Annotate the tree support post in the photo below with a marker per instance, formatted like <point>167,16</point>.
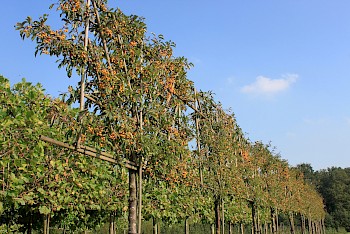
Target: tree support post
<point>217,215</point>
<point>223,215</point>
<point>132,202</point>
<point>139,228</point>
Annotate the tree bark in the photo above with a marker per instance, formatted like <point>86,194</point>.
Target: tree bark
<point>217,216</point>
<point>155,226</point>
<point>46,224</point>
<point>223,216</point>
<point>303,228</point>
<point>140,198</point>
<point>30,223</point>
<point>187,226</point>
<point>317,226</point>
<point>230,228</point>
<point>277,221</point>
<point>323,226</point>
<point>282,227</point>
<point>132,202</point>
<point>258,223</point>
<point>310,226</point>
<point>291,222</point>
<point>242,228</point>
<point>273,220</point>
<point>112,223</point>
<point>254,219</point>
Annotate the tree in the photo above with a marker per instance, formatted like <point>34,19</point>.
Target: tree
<point>308,172</point>
<point>40,179</point>
<point>133,83</point>
<point>334,186</point>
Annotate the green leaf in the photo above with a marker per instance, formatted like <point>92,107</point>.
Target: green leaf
<point>41,190</point>
<point>44,210</point>
<point>1,208</point>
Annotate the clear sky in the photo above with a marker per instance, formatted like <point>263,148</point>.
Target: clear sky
<point>283,66</point>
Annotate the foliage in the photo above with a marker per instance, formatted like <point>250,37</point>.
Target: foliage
<point>138,105</point>
<point>40,179</point>
<point>334,185</point>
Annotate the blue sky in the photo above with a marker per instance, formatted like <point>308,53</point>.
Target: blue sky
<point>283,66</point>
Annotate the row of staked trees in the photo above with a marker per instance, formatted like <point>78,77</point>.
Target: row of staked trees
<point>143,144</point>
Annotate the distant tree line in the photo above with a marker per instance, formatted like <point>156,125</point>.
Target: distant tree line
<point>334,185</point>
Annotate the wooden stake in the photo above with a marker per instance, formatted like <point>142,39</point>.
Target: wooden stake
<point>140,198</point>
<point>91,152</point>
<point>223,215</point>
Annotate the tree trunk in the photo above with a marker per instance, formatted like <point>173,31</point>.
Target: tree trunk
<point>323,226</point>
<point>46,224</point>
<point>230,228</point>
<point>309,225</point>
<point>273,220</point>
<point>317,226</point>
<point>223,216</point>
<point>254,219</point>
<point>132,202</point>
<point>29,230</point>
<point>140,198</point>
<point>155,226</point>
<point>112,223</point>
<point>217,216</point>
<point>187,226</point>
<point>30,222</point>
<point>282,227</point>
<point>277,221</point>
<point>242,228</point>
<point>302,222</point>
<point>291,222</point>
<point>258,223</point>
<point>213,229</point>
